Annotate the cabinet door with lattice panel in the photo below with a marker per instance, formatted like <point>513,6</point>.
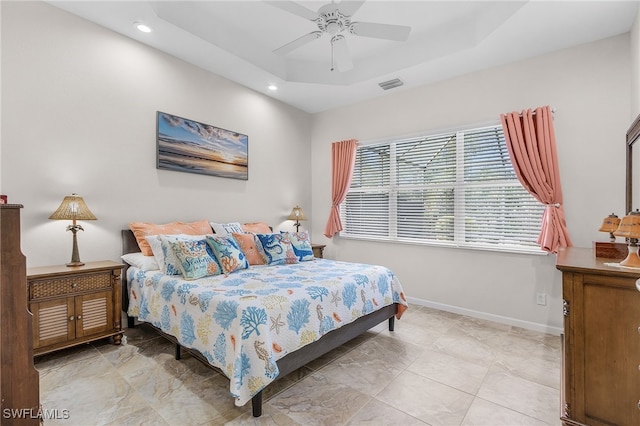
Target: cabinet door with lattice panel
<point>94,313</point>
<point>54,321</point>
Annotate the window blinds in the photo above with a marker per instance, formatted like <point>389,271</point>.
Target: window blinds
<point>456,188</point>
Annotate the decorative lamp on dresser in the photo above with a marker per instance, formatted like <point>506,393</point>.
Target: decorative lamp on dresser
<point>74,305</point>
<point>601,344</point>
<point>20,381</point>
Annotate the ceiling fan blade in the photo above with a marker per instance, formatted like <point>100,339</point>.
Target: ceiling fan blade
<point>300,41</point>
<point>341,55</point>
<point>348,7</point>
<point>295,8</point>
<point>384,31</point>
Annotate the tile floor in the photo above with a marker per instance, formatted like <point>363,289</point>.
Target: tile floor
<point>437,368</point>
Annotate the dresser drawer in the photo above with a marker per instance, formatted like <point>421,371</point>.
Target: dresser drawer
<point>59,286</point>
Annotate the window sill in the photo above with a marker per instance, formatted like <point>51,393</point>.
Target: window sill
<point>501,249</point>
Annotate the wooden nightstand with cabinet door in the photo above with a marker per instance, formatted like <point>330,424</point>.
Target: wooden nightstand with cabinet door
<point>74,305</point>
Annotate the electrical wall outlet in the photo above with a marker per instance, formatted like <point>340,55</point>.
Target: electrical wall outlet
<point>541,299</point>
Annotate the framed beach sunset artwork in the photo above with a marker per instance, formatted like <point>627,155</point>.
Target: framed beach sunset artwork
<point>185,145</point>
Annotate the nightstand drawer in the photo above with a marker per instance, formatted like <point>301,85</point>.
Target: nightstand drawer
<point>49,287</point>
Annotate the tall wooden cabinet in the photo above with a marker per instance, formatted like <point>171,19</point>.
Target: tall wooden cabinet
<point>601,342</point>
<point>20,381</point>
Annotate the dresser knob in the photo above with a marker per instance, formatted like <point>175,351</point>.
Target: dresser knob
<point>638,405</point>
<point>71,318</point>
<point>79,317</point>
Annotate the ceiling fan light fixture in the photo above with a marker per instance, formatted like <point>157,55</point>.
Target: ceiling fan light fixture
<point>390,84</point>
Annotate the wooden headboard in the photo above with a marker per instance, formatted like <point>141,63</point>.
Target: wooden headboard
<point>129,243</point>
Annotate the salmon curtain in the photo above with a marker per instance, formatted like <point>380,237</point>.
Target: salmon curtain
<point>531,143</point>
<point>343,157</point>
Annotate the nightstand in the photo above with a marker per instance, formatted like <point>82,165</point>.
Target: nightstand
<point>74,305</point>
<point>318,250</point>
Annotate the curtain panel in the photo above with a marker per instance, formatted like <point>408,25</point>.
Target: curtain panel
<point>343,157</point>
<point>531,143</point>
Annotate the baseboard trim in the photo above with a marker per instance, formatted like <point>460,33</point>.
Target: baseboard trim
<point>542,328</point>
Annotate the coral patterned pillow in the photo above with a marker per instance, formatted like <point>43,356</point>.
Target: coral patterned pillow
<point>142,229</point>
<point>301,245</point>
<point>228,253</point>
<point>250,247</point>
<point>195,258</point>
<point>277,248</point>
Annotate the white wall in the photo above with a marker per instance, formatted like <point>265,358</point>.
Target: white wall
<point>635,67</point>
<point>78,115</point>
<point>587,85</point>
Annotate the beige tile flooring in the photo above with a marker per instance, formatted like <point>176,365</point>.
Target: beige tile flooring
<point>437,368</point>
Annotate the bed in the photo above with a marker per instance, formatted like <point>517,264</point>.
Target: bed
<point>264,322</point>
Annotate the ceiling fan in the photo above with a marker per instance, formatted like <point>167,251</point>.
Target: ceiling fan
<point>334,19</point>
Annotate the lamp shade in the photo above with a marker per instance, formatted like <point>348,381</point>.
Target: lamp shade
<point>610,223</point>
<point>629,226</point>
<point>297,214</point>
<point>73,207</point>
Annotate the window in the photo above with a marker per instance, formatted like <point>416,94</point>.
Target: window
<point>456,188</point>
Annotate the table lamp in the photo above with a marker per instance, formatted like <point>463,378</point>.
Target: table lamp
<point>630,228</point>
<point>73,208</point>
<point>610,224</point>
<point>297,214</point>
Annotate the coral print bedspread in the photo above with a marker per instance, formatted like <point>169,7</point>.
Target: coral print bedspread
<point>244,322</point>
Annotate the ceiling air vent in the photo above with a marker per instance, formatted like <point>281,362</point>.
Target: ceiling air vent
<point>386,85</point>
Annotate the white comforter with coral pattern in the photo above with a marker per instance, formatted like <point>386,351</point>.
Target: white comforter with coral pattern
<point>244,322</point>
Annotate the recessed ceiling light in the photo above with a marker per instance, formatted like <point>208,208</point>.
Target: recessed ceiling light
<point>272,87</point>
<point>142,27</point>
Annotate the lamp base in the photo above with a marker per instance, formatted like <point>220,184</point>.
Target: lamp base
<point>78,263</point>
<point>632,260</point>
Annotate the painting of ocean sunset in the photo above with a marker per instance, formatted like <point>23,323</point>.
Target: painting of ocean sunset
<point>185,145</point>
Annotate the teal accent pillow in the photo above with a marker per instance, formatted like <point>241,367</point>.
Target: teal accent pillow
<point>301,245</point>
<point>194,256</point>
<point>278,249</point>
<point>228,253</point>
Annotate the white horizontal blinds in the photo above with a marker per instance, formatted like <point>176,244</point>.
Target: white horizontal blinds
<point>497,209</point>
<point>458,188</point>
<point>425,175</point>
<point>366,209</point>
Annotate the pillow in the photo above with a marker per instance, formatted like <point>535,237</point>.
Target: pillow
<point>227,251</point>
<point>301,245</point>
<point>164,255</point>
<point>256,228</point>
<point>251,247</point>
<point>142,229</point>
<point>140,261</point>
<point>223,229</point>
<point>195,258</point>
<point>278,249</point>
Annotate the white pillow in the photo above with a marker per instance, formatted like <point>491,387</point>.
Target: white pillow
<point>140,261</point>
<point>222,229</point>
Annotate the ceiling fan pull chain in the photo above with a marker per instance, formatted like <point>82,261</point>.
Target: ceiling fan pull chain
<point>332,54</point>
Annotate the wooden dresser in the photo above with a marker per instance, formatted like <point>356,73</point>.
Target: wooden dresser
<point>73,305</point>
<point>20,390</point>
<point>601,342</point>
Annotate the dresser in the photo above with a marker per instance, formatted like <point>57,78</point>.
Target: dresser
<point>73,305</point>
<point>601,341</point>
<point>20,381</point>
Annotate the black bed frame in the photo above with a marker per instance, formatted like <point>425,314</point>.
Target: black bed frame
<point>290,362</point>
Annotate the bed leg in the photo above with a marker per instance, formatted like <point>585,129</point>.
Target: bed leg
<point>256,404</point>
<point>178,354</point>
<point>392,323</point>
